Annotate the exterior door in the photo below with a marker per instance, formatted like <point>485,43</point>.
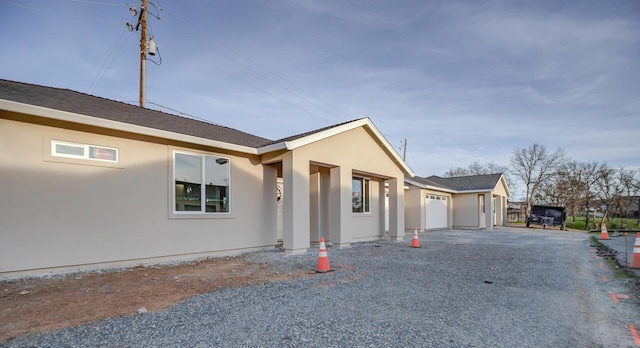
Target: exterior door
<point>493,207</point>
<point>481,212</point>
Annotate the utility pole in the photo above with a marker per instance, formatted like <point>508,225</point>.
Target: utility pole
<point>146,46</point>
<point>404,156</point>
<point>143,52</point>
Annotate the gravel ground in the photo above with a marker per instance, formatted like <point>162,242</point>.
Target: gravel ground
<point>500,288</point>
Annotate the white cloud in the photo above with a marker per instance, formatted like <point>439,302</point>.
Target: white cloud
<point>462,81</point>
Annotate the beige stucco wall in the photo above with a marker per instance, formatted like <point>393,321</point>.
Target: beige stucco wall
<point>500,193</point>
<point>465,210</point>
<point>500,211</point>
<point>354,152</point>
<point>500,189</point>
<point>415,207</point>
<point>58,215</point>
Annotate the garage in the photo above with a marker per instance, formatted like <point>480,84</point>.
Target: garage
<point>436,212</point>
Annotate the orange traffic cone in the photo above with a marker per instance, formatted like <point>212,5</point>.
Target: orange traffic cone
<point>603,231</point>
<point>323,258</point>
<point>415,243</point>
<point>635,257</point>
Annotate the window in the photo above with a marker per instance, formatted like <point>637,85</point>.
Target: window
<point>190,171</point>
<point>84,151</point>
<point>481,202</point>
<point>360,200</point>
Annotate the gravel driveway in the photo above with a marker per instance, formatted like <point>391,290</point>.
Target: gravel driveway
<point>494,288</point>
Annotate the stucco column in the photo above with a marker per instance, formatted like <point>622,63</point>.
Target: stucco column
<point>381,206</point>
<point>314,205</point>
<point>498,208</point>
<point>396,209</point>
<point>269,204</point>
<point>319,188</point>
<point>340,207</point>
<point>504,210</point>
<point>296,220</point>
<point>324,214</point>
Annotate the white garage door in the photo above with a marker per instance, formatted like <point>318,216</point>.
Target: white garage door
<point>436,214</point>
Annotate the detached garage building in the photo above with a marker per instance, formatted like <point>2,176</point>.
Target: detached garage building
<point>477,201</point>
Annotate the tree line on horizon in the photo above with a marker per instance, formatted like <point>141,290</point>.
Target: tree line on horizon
<point>552,178</point>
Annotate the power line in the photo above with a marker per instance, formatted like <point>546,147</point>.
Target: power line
<point>110,59</point>
<point>183,113</point>
<point>302,95</point>
<point>253,70</point>
<point>100,3</point>
<point>251,84</point>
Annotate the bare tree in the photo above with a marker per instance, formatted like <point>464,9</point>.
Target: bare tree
<point>636,188</point>
<point>534,166</point>
<point>569,177</point>
<point>588,175</point>
<point>609,189</point>
<point>477,168</point>
<point>554,191</point>
<point>454,172</point>
<point>576,182</point>
<point>626,192</point>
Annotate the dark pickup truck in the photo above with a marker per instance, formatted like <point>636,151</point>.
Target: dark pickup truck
<point>547,216</point>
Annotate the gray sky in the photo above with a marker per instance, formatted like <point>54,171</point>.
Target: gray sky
<point>462,81</point>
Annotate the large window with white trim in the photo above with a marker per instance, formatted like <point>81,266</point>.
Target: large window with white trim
<point>361,195</point>
<point>201,183</point>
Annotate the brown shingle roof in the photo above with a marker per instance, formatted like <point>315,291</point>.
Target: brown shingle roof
<point>302,135</point>
<point>426,181</point>
<point>467,183</point>
<point>84,104</point>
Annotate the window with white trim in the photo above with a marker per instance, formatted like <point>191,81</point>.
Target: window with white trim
<point>84,151</point>
<point>192,172</point>
<point>361,195</point>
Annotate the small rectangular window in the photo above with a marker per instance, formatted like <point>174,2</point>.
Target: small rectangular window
<point>83,151</point>
<point>361,192</point>
<point>69,150</point>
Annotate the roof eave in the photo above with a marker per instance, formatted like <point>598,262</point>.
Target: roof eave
<point>476,191</point>
<point>309,139</point>
<point>273,147</point>
<point>428,187</point>
<point>59,115</point>
<point>503,179</point>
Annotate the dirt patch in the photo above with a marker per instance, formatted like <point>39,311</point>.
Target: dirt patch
<point>44,304</point>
